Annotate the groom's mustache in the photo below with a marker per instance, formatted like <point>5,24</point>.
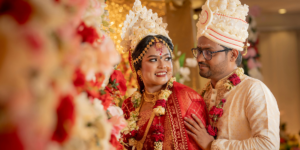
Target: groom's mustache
<point>202,63</point>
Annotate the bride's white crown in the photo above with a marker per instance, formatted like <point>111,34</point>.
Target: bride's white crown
<point>138,24</point>
<point>224,22</point>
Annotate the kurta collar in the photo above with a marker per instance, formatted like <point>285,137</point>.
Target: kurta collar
<point>221,82</point>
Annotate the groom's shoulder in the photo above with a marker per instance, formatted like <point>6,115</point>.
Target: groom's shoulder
<point>251,84</point>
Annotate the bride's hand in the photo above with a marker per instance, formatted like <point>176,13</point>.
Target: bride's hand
<point>198,132</point>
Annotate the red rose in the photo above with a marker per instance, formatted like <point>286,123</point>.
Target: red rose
<point>211,131</point>
<point>216,111</point>
<point>119,81</point>
<point>223,101</point>
<point>20,10</point>
<point>282,140</point>
<point>133,133</point>
<point>79,79</point>
<point>161,103</point>
<point>114,142</point>
<point>98,82</point>
<point>234,79</point>
<point>65,119</point>
<point>157,137</point>
<point>88,34</point>
<point>106,100</point>
<point>9,139</point>
<point>157,129</point>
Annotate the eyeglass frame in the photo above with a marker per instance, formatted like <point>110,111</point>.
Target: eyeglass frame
<point>224,50</point>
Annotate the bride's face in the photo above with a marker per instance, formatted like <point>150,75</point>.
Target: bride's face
<point>157,66</point>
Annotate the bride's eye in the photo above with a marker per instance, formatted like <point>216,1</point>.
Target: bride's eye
<point>168,58</point>
<point>153,60</point>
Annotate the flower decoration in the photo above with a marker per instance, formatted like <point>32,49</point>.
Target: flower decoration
<point>129,133</point>
<point>217,111</point>
<point>88,34</point>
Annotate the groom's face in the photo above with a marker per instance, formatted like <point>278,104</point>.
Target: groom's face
<point>218,63</point>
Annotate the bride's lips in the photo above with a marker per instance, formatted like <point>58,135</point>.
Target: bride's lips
<point>161,74</point>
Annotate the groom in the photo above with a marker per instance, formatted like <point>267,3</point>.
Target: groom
<point>243,113</point>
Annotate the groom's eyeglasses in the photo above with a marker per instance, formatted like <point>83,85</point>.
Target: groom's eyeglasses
<point>206,53</point>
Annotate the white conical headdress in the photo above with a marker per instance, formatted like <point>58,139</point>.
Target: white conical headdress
<point>224,22</point>
<point>138,24</point>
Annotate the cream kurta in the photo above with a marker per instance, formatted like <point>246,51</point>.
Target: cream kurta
<point>251,116</point>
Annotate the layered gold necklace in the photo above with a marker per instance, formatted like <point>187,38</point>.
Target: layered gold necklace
<point>151,97</point>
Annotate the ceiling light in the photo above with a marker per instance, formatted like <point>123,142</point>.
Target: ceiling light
<point>282,11</point>
<point>195,16</point>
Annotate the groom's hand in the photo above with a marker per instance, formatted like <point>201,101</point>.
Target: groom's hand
<point>198,132</point>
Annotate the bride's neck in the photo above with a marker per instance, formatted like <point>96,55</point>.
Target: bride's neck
<point>153,89</point>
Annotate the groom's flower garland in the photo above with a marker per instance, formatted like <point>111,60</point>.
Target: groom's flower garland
<point>130,133</point>
<point>217,111</point>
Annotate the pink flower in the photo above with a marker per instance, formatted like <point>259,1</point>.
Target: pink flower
<point>118,124</point>
<point>234,79</point>
<point>251,63</point>
<point>211,131</point>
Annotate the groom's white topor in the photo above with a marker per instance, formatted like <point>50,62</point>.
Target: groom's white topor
<point>224,22</point>
<point>138,24</point>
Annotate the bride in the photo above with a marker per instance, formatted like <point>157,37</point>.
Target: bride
<point>155,112</point>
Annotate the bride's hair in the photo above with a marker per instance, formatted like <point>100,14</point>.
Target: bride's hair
<point>143,44</point>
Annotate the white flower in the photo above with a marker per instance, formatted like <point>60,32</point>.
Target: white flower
<point>154,16</point>
<point>164,25</point>
<point>185,72</point>
<point>159,111</point>
<point>158,20</point>
<point>149,25</point>
<point>222,5</point>
<point>191,62</point>
<point>115,111</point>
<point>137,8</point>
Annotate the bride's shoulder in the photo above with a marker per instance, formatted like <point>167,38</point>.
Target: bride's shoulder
<point>178,87</point>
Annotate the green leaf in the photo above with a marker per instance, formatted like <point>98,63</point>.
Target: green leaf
<point>102,92</point>
<point>177,76</point>
<point>111,30</point>
<point>105,23</point>
<point>175,49</point>
<point>181,60</point>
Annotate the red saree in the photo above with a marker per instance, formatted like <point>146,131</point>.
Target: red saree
<point>183,102</point>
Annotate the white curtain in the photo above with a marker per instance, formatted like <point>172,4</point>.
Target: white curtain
<point>280,57</point>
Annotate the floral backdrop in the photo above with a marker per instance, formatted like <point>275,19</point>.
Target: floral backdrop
<point>58,84</point>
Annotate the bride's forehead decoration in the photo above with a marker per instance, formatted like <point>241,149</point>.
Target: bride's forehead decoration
<point>224,22</point>
<point>140,23</point>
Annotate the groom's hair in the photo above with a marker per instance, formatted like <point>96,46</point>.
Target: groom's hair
<point>143,44</point>
<point>238,60</point>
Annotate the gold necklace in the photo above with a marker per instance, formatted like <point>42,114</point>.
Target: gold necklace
<point>153,99</point>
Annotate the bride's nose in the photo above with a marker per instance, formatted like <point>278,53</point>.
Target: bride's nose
<point>162,64</point>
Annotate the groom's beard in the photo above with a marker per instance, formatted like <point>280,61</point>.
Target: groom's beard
<point>213,71</point>
<point>203,74</point>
